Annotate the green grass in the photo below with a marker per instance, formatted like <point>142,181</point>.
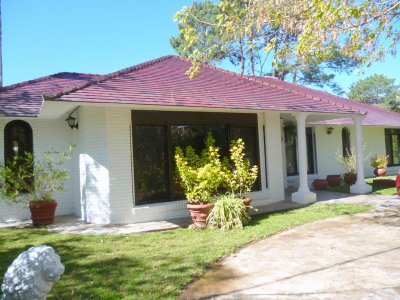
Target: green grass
<point>152,265</point>
<point>376,189</point>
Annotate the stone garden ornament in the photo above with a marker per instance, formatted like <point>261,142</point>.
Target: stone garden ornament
<point>32,274</point>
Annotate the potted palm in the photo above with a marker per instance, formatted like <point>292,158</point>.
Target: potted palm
<point>200,177</point>
<point>29,181</point>
<point>379,163</point>
<point>239,176</point>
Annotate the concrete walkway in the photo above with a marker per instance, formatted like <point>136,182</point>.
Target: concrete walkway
<point>348,257</point>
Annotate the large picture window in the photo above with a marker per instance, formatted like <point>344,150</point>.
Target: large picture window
<point>392,140</point>
<point>156,135</point>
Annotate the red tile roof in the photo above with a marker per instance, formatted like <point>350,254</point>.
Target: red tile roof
<point>163,82</point>
<point>375,114</point>
<point>25,99</point>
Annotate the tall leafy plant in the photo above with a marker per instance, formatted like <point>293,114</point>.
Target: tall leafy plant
<point>200,174</point>
<point>24,178</point>
<point>239,176</point>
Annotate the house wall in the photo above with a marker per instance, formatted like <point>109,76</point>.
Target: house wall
<point>47,135</point>
<point>104,149</point>
<point>328,145</point>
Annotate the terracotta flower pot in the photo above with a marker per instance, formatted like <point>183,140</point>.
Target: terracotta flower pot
<point>42,212</point>
<point>334,180</point>
<point>247,203</point>
<point>384,182</point>
<point>199,213</point>
<point>350,178</point>
<point>380,172</point>
<point>320,184</point>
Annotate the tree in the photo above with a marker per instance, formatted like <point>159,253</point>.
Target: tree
<point>363,31</point>
<point>264,50</point>
<point>377,89</point>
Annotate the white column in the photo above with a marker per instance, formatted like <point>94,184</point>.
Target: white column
<point>303,195</point>
<point>360,187</point>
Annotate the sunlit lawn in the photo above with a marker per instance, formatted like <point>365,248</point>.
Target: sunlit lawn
<point>376,189</point>
<point>153,265</point>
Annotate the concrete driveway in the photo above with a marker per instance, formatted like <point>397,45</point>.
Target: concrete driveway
<point>348,257</point>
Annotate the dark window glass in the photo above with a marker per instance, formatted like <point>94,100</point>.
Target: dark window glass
<point>156,134</point>
<point>291,149</point>
<point>346,146</point>
<point>18,140</point>
<point>151,163</point>
<point>392,141</point>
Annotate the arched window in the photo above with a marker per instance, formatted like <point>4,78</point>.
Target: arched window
<point>17,139</point>
<point>346,142</point>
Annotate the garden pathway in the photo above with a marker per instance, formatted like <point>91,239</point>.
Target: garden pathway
<point>348,257</point>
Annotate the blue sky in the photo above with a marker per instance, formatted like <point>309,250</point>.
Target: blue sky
<point>100,36</point>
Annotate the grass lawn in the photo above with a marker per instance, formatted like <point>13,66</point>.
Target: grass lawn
<point>153,265</point>
<point>376,189</point>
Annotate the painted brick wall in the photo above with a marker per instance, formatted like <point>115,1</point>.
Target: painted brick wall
<point>47,135</point>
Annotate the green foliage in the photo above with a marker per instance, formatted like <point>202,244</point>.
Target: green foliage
<point>239,177</point>
<point>25,178</point>
<point>229,212</point>
<point>148,274</point>
<point>200,175</point>
<point>379,161</point>
<point>375,89</point>
<point>296,32</point>
<point>392,101</point>
<point>348,161</point>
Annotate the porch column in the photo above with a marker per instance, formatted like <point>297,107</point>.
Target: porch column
<point>303,195</point>
<point>360,187</point>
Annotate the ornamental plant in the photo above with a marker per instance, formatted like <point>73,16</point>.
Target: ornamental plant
<point>348,161</point>
<point>229,212</point>
<point>200,174</point>
<point>25,178</point>
<point>238,175</point>
<point>379,161</point>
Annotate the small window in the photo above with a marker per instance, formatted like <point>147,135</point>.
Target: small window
<point>392,139</point>
<point>17,139</point>
<point>346,142</point>
<point>17,142</point>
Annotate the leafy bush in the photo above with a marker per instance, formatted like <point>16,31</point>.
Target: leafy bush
<point>24,179</point>
<point>229,212</point>
<point>201,175</point>
<point>239,177</point>
<point>348,161</point>
<point>379,161</point>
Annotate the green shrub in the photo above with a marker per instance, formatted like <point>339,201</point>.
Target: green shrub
<point>379,161</point>
<point>239,176</point>
<point>200,175</point>
<point>229,212</point>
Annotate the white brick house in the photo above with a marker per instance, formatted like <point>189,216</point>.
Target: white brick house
<point>130,121</point>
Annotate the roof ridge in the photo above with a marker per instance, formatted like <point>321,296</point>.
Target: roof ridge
<point>254,79</point>
<point>39,79</point>
<point>76,87</point>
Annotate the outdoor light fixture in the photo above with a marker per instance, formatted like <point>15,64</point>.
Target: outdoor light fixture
<point>72,121</point>
<point>329,130</point>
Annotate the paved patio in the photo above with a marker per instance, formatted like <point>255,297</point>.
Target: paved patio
<point>73,225</point>
<point>348,257</point>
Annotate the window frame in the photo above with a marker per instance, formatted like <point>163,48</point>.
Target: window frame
<point>390,132</point>
<point>7,136</point>
<point>176,118</point>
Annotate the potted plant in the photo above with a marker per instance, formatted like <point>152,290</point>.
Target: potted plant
<point>26,180</point>
<point>349,161</point>
<point>239,176</point>
<point>379,163</point>
<point>200,177</point>
<point>228,213</point>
